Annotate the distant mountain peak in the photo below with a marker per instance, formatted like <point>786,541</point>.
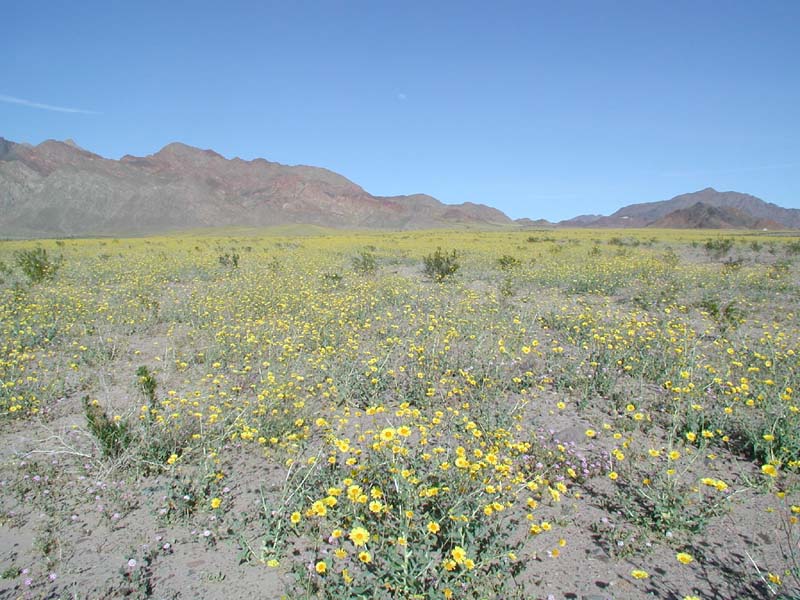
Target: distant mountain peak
<point>181,150</point>
<point>50,154</point>
<point>706,208</point>
<point>706,216</point>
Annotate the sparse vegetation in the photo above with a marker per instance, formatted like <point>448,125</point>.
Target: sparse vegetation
<point>325,424</point>
<point>441,264</point>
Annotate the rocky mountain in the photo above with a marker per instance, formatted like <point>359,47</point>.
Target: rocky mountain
<point>705,216</point>
<point>733,210</point>
<point>60,189</point>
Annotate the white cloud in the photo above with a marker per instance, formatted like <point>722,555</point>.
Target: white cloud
<point>31,104</point>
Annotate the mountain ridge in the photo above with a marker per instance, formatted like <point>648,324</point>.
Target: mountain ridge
<point>734,210</point>
<point>57,188</point>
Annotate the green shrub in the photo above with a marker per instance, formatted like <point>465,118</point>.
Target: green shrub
<point>507,262</point>
<point>718,247</point>
<point>366,262</point>
<point>147,384</point>
<point>229,259</point>
<point>36,264</point>
<point>113,437</point>
<point>441,264</point>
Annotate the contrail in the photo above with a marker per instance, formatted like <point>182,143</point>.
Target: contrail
<point>64,109</point>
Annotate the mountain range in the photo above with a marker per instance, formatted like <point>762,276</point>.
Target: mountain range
<point>59,189</point>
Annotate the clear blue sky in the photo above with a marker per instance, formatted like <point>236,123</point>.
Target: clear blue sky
<point>542,109</point>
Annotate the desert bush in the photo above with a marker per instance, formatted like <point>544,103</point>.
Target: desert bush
<point>731,266</point>
<point>441,264</point>
<point>617,241</point>
<point>147,384</point>
<point>36,264</point>
<point>726,315</point>
<point>507,262</point>
<point>114,437</point>
<point>365,262</point>
<point>229,259</point>
<point>718,247</point>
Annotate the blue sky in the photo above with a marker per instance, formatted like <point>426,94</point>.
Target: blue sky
<point>542,109</point>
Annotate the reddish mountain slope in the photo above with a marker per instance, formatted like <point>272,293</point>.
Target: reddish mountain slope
<point>57,188</point>
<point>738,208</point>
<point>704,216</point>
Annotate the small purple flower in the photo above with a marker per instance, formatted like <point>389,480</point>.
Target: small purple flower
<point>52,576</point>
<point>28,582</point>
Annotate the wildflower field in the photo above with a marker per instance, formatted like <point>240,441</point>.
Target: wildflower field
<point>443,414</point>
